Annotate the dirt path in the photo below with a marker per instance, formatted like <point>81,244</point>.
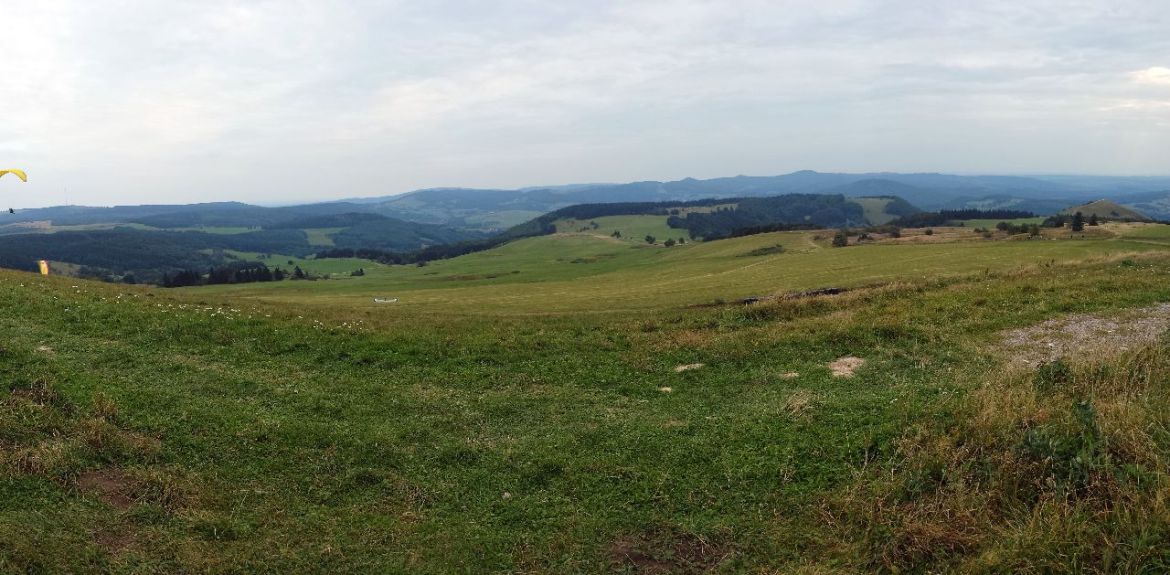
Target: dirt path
<point>1086,334</point>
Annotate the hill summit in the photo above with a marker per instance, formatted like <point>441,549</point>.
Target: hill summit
<point>1108,210</point>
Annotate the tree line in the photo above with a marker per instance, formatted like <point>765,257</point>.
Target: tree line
<point>249,272</point>
<point>943,217</point>
<point>756,215</point>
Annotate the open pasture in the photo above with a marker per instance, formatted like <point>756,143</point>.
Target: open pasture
<point>588,272</point>
<point>588,417</point>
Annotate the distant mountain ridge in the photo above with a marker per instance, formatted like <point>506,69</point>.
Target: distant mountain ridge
<point>489,210</point>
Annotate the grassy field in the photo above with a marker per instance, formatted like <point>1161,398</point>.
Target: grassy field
<point>321,236</point>
<point>592,272</point>
<point>538,421</point>
<point>633,229</point>
<point>875,210</point>
<point>501,220</point>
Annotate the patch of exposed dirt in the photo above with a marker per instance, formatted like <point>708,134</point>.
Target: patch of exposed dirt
<point>112,486</point>
<point>688,367</point>
<point>1084,334</point>
<point>658,553</point>
<point>115,540</point>
<point>846,366</point>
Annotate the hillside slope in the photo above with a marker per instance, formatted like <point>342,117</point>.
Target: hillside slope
<point>1107,210</point>
<point>198,431</point>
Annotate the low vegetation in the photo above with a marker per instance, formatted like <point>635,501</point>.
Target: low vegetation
<point>539,421</point>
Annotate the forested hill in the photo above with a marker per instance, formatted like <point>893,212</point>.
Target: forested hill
<point>494,210</point>
<point>815,210</point>
<point>707,219</point>
<point>148,254</point>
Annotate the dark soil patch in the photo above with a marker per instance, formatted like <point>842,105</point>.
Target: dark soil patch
<point>816,292</point>
<point>115,540</point>
<point>660,552</point>
<point>112,486</point>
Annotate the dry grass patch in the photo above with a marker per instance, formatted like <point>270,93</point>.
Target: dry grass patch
<point>664,552</point>
<point>799,402</point>
<point>846,366</point>
<point>1060,469</point>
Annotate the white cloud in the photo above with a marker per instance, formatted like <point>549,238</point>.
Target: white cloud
<point>118,99</point>
<point>1156,76</point>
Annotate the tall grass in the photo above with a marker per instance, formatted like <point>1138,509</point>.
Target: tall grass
<point>1057,470</point>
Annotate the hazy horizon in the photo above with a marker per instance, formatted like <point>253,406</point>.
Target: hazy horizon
<point>128,103</point>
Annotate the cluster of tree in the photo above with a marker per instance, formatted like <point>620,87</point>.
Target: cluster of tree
<point>841,237</point>
<point>898,206</point>
<point>818,210</point>
<point>244,272</point>
<point>1076,221</point>
<point>945,217</point>
<point>765,229</point>
<point>1032,230</point>
<point>436,252</point>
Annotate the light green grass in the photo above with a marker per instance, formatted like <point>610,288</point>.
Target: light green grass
<point>626,276</point>
<point>322,237</point>
<point>634,229</point>
<point>501,220</point>
<point>875,210</point>
<point>320,267</point>
<point>535,422</point>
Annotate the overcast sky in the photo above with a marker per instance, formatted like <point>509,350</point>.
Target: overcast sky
<point>120,102</point>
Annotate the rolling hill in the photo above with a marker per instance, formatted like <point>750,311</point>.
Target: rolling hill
<point>578,402</point>
<point>1108,211</point>
<point>492,210</point>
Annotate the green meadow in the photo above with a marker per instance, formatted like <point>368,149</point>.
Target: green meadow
<point>578,403</point>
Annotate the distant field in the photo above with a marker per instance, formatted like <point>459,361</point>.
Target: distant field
<point>634,229</point>
<point>501,220</point>
<point>875,210</point>
<point>321,236</point>
<point>341,266</point>
<point>577,272</point>
<point>47,228</point>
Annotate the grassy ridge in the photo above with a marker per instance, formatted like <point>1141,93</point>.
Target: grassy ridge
<point>200,431</point>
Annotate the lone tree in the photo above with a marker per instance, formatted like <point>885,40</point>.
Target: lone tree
<point>1078,222</point>
<point>1093,220</point>
<point>669,242</point>
<point>841,239</point>
<point>616,234</point>
<point>650,239</point>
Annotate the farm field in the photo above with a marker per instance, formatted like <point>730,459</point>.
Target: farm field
<point>576,403</point>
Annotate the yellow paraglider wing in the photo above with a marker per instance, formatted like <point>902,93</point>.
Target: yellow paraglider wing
<point>18,173</point>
